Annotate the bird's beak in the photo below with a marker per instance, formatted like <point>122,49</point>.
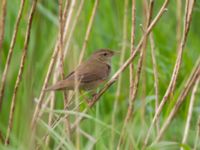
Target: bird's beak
<point>116,53</point>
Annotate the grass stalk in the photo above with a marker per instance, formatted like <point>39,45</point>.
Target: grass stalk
<point>189,84</point>
<point>138,73</point>
<point>155,74</point>
<point>122,57</point>
<point>189,116</point>
<point>37,114</point>
<point>196,142</point>
<point>178,17</point>
<point>171,86</point>
<point>20,72</point>
<point>2,22</point>
<point>131,67</point>
<point>67,123</point>
<point>89,28</point>
<point>10,52</point>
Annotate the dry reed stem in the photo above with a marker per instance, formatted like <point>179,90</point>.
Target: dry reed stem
<point>170,89</point>
<point>66,10</point>
<point>56,73</point>
<point>131,67</point>
<point>89,27</point>
<point>21,69</point>
<point>138,74</point>
<point>122,57</point>
<point>68,40</point>
<point>10,52</point>
<point>2,22</point>
<point>133,55</point>
<point>140,64</point>
<point>50,118</point>
<point>154,64</point>
<point>67,125</point>
<point>197,135</point>
<point>155,74</point>
<point>142,75</point>
<point>178,18</point>
<point>189,116</point>
<point>37,114</point>
<point>189,84</point>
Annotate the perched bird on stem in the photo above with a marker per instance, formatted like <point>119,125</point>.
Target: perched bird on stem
<point>89,74</point>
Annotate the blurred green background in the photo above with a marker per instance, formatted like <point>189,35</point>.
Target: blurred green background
<point>107,32</point>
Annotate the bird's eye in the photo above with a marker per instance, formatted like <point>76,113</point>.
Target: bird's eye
<point>105,54</point>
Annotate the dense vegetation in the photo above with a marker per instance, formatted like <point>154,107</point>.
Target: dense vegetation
<point>103,126</point>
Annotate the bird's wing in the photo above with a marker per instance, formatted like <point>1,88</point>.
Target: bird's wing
<point>88,73</point>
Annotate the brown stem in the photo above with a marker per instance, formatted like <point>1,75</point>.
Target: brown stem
<point>189,84</point>
<point>138,75</point>
<point>170,89</point>
<point>89,27</point>
<point>2,21</point>
<point>189,115</point>
<point>37,114</point>
<point>62,62</point>
<point>122,57</point>
<point>155,73</point>
<point>178,18</point>
<point>21,69</point>
<point>131,67</point>
<point>10,52</point>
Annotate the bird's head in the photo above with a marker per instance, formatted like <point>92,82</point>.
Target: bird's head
<point>103,55</point>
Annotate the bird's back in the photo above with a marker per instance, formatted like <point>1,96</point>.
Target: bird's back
<point>88,75</point>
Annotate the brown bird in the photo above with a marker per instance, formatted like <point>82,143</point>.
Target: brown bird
<point>89,74</point>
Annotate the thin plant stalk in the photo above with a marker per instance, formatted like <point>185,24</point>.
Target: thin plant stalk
<point>131,67</point>
<point>2,22</point>
<point>146,21</point>
<point>10,52</point>
<point>20,72</point>
<point>137,76</point>
<point>122,57</point>
<point>189,84</point>
<point>82,52</point>
<point>154,64</point>
<point>50,118</point>
<point>56,73</point>
<point>196,143</point>
<point>178,18</point>
<point>36,114</point>
<point>89,28</point>
<point>155,74</point>
<point>171,87</point>
<point>67,123</point>
<point>189,116</point>
<point>67,40</point>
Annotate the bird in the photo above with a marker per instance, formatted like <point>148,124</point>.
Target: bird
<point>89,74</point>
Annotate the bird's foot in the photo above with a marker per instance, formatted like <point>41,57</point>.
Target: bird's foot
<point>92,101</point>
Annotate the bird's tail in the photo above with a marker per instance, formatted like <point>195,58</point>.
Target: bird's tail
<point>58,86</point>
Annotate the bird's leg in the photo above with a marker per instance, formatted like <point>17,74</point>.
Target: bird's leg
<point>90,102</point>
<point>84,97</point>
